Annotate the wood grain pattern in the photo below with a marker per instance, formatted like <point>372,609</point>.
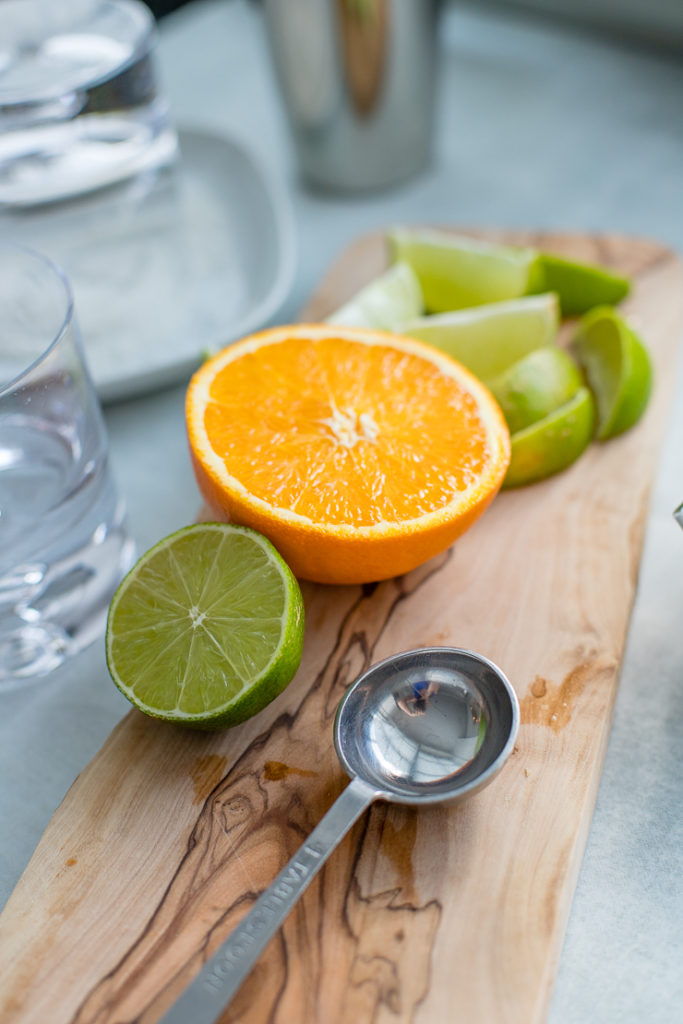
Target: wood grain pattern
<point>167,836</point>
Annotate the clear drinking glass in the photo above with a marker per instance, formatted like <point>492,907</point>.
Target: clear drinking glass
<point>80,105</point>
<point>63,542</point>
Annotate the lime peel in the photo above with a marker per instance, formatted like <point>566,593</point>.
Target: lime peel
<point>535,386</point>
<point>553,443</point>
<point>580,286</point>
<point>618,370</point>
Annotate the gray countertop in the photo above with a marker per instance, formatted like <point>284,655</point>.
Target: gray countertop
<point>538,126</point>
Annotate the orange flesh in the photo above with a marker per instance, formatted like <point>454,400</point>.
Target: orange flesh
<point>345,435</point>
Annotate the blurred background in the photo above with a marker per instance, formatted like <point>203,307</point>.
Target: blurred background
<point>547,112</point>
<point>658,22</point>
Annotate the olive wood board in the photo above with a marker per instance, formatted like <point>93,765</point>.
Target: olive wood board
<point>443,914</point>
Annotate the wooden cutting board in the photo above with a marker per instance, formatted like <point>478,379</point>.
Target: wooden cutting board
<point>446,914</point>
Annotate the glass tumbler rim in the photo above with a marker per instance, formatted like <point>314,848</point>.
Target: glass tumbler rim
<point>143,23</point>
<point>67,319</point>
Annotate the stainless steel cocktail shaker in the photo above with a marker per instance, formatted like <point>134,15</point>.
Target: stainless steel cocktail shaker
<point>357,79</point>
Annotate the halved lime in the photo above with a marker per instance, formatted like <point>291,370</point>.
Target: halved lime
<point>207,628</point>
<point>553,443</point>
<point>535,386</point>
<point>385,304</point>
<point>580,286</point>
<point>455,271</point>
<point>617,368</point>
<point>487,339</point>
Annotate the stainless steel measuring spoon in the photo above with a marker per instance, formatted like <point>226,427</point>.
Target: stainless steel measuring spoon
<point>422,727</point>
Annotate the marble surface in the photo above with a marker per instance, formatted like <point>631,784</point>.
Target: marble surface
<point>538,126</point>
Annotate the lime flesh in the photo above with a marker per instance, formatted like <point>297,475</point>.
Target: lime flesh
<point>385,304</point>
<point>535,386</point>
<point>207,627</point>
<point>488,339</point>
<point>617,367</point>
<point>580,286</point>
<point>553,443</point>
<point>455,271</point>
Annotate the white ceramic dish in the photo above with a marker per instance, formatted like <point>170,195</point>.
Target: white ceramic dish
<point>170,267</point>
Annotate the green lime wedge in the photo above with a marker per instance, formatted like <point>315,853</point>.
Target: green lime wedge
<point>553,443</point>
<point>385,304</point>
<point>580,286</point>
<point>617,367</point>
<point>207,628</point>
<point>535,386</point>
<point>455,271</point>
<point>488,339</point>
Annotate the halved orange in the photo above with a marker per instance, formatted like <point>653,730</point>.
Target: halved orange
<point>359,454</point>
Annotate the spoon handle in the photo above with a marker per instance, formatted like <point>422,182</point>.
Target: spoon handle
<point>222,975</point>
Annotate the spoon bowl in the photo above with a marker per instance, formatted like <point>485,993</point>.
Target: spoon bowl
<point>427,726</point>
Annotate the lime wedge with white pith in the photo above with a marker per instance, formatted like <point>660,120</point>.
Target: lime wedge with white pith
<point>553,443</point>
<point>580,286</point>
<point>535,386</point>
<point>487,339</point>
<point>207,627</point>
<point>455,271</point>
<point>385,304</point>
<point>617,368</point>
